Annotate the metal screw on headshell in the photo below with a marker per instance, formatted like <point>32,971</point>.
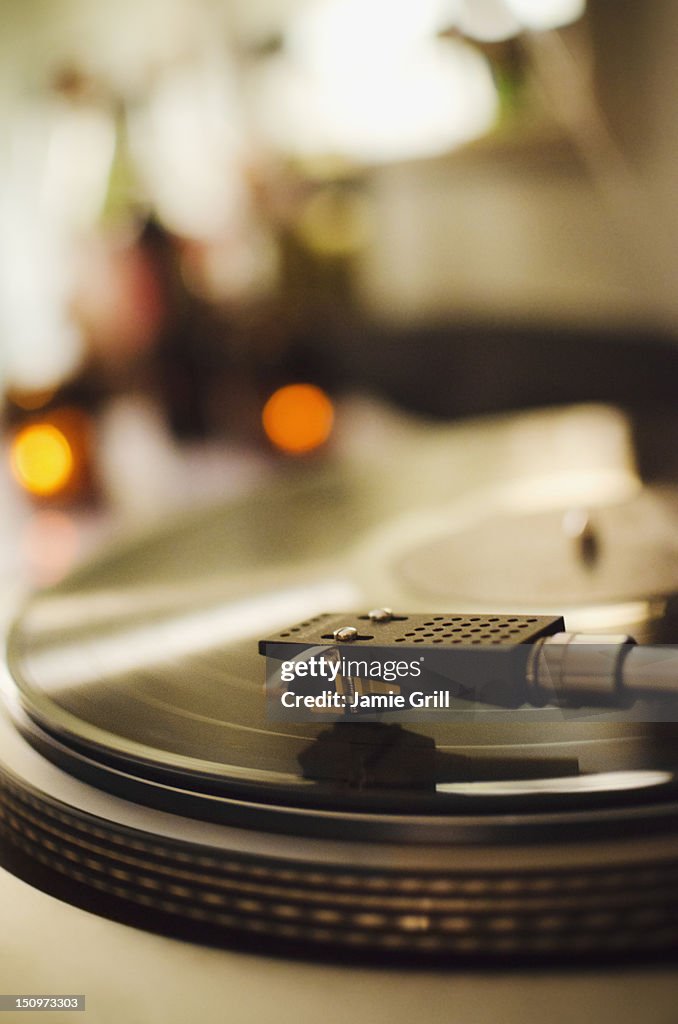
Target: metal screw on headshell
<point>380,615</point>
<point>345,634</point>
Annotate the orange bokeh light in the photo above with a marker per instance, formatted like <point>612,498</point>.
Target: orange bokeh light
<point>298,418</point>
<point>42,459</point>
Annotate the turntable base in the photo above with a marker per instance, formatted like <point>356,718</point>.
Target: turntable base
<point>130,975</point>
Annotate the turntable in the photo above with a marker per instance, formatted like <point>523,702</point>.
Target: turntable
<point>142,781</point>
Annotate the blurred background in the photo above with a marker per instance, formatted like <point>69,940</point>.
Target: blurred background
<point>243,235</point>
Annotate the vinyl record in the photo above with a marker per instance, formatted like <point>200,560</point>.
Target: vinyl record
<point>146,662</point>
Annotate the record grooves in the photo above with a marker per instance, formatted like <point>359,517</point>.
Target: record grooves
<point>381,816</point>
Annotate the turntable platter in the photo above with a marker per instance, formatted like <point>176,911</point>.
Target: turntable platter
<point>139,679</point>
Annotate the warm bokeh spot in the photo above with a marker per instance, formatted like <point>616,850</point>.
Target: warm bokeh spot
<point>298,418</point>
<point>42,459</point>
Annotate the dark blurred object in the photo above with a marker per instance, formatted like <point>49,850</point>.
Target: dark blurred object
<point>466,370</point>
